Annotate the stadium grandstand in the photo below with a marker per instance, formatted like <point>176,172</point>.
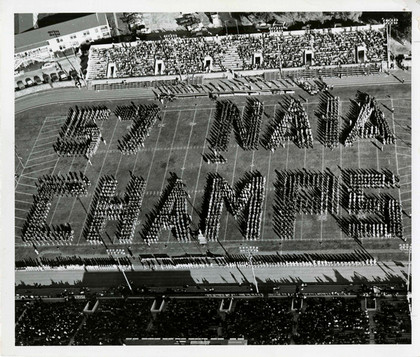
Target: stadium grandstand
<point>292,53</point>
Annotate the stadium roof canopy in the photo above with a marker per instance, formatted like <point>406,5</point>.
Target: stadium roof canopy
<point>38,38</point>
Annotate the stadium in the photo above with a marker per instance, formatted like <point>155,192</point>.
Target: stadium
<point>251,171</point>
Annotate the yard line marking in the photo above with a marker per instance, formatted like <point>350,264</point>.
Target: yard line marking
<point>59,198</point>
<point>49,143</point>
<point>233,180</point>
<point>396,154</point>
<point>42,163</point>
<point>48,137</point>
<point>45,168</point>
<point>23,193</point>
<point>20,209</point>
<point>22,219</point>
<point>99,175</point>
<point>26,202</point>
<point>170,152</point>
<point>23,184</point>
<point>51,131</point>
<point>266,183</point>
<point>201,162</point>
<point>154,151</point>
<point>43,157</point>
<point>37,152</point>
<point>119,163</point>
<point>188,144</point>
<point>30,153</point>
<point>29,178</point>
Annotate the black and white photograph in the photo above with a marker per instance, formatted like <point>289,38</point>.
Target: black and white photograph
<point>211,178</point>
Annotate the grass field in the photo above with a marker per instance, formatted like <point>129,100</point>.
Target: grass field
<point>177,144</point>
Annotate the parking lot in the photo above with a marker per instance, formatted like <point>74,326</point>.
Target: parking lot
<point>58,72</point>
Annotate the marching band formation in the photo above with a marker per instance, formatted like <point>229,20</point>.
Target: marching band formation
<point>170,213</point>
<point>370,123</point>
<point>107,206</point>
<point>328,124</point>
<point>290,125</point>
<point>244,203</point>
<point>303,192</point>
<point>35,229</point>
<point>144,117</point>
<point>80,135</point>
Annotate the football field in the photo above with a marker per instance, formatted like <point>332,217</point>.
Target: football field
<point>177,144</point>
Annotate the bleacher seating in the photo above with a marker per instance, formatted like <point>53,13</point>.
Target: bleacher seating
<point>236,52</point>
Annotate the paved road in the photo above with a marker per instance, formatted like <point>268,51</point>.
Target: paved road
<point>220,275</point>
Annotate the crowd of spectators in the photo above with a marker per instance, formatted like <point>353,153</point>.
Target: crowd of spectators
<point>289,125</point>
<point>188,318</point>
<point>114,321</point>
<point>278,50</point>
<point>260,321</point>
<point>136,59</point>
<point>35,229</point>
<point>80,135</point>
<point>392,323</point>
<point>49,323</point>
<point>332,321</point>
<point>244,203</point>
<point>303,192</point>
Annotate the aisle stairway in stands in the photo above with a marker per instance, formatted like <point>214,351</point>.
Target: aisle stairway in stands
<point>231,58</point>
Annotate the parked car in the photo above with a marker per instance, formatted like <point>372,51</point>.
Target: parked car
<point>54,77</point>
<point>73,74</point>
<point>63,76</point>
<point>29,82</point>
<point>20,85</point>
<point>48,65</point>
<point>37,80</point>
<point>46,78</point>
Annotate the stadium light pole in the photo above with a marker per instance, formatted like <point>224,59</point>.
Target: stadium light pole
<point>55,34</point>
<point>388,23</point>
<point>248,251</point>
